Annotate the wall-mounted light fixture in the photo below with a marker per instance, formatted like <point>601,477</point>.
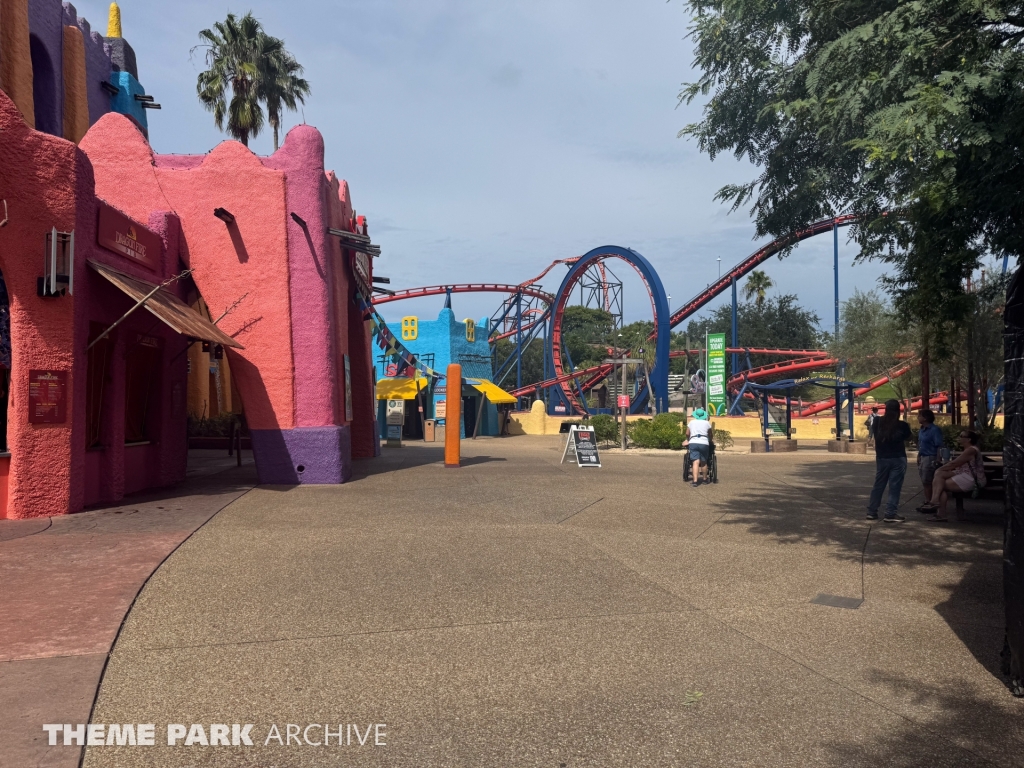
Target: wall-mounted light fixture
<point>58,265</point>
<point>224,215</point>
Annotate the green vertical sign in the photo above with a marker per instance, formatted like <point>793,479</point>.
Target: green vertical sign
<point>716,374</point>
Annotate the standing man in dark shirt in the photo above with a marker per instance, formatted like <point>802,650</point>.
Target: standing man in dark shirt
<point>891,435</point>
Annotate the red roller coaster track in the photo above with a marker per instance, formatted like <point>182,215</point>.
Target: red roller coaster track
<point>437,290</point>
<point>783,366</point>
<point>824,405</point>
<point>595,373</point>
<point>756,258</point>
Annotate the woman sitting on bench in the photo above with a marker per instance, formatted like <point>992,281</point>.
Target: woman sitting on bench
<point>958,476</point>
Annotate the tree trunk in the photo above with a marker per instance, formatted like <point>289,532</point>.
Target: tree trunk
<point>926,380</point>
<point>1013,461</point>
<point>971,394</point>
<point>954,400</point>
<point>983,404</point>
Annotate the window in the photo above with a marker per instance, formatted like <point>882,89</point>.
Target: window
<point>96,379</point>
<point>141,370</point>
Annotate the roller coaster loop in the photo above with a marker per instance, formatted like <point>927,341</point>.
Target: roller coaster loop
<point>564,400</point>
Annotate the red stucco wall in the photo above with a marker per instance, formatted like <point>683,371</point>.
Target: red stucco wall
<point>227,261</point>
<point>41,178</point>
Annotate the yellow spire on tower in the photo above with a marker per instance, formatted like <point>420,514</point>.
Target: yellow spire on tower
<point>114,21</point>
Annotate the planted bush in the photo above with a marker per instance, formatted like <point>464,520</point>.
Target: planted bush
<point>663,431</point>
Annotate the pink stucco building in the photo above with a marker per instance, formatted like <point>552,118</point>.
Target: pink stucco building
<point>255,233</point>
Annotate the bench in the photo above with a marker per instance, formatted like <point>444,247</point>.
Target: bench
<point>994,489</point>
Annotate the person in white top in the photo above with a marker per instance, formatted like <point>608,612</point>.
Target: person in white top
<point>698,442</point>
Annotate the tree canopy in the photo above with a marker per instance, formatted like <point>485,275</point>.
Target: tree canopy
<point>778,323</point>
<point>907,113</point>
<point>873,339</point>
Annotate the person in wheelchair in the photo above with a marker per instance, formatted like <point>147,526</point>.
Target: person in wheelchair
<point>699,446</point>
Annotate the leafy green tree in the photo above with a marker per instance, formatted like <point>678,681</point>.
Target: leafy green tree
<point>533,363</point>
<point>873,339</point>
<point>908,114</point>
<point>757,286</point>
<point>587,334</point>
<point>779,323</point>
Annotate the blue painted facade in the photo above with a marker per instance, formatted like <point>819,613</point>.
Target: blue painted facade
<point>446,339</point>
<point>125,102</point>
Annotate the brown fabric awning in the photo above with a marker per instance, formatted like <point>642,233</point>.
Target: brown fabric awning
<point>175,313</point>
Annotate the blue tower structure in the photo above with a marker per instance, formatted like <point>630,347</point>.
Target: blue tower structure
<point>438,343</point>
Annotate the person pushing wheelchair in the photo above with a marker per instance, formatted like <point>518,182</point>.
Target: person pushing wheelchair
<point>698,443</point>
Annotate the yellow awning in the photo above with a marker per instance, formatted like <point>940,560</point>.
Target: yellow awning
<point>399,389</point>
<point>493,392</point>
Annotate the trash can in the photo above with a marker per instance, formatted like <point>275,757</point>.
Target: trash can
<point>428,430</point>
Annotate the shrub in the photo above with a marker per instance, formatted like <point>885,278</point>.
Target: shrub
<point>722,438</point>
<point>663,431</point>
<point>605,429</point>
<point>991,439</point>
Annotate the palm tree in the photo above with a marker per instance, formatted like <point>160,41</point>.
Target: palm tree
<point>758,284</point>
<point>280,85</point>
<point>233,50</point>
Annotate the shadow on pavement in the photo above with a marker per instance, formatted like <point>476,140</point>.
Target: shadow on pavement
<point>771,503</point>
<point>954,712</point>
<point>394,459</point>
<point>773,507</point>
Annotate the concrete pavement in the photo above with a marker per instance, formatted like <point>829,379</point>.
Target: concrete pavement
<point>518,612</point>
<point>67,583</point>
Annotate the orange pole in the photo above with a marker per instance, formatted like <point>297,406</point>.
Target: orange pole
<point>453,416</point>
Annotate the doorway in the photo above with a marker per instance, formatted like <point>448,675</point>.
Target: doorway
<point>469,410</point>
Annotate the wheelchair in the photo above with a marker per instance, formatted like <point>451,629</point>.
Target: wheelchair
<point>712,474</point>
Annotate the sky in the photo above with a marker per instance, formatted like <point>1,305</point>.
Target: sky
<point>485,140</point>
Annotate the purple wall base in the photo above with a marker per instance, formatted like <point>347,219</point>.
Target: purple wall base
<point>305,455</point>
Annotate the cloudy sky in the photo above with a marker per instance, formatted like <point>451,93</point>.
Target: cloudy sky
<point>484,140</point>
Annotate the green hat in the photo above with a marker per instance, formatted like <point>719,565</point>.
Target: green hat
<point>700,413</point>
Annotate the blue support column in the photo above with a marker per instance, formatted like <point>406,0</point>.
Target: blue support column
<point>519,340</point>
<point>835,246</point>
<point>735,343</point>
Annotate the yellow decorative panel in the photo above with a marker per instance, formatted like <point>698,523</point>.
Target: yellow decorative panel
<point>470,330</point>
<point>410,328</point>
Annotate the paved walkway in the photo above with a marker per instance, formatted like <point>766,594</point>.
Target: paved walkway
<point>517,612</point>
<point>67,583</point>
